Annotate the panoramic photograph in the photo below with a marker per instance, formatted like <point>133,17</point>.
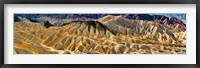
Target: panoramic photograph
<point>100,33</point>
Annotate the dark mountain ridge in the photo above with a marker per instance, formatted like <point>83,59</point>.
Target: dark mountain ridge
<point>161,18</point>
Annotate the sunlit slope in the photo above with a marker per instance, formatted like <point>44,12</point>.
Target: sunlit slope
<point>163,33</point>
<point>92,37</point>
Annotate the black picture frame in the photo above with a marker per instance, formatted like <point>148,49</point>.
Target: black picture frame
<point>2,2</point>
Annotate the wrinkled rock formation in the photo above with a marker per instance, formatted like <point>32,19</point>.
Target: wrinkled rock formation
<point>109,35</point>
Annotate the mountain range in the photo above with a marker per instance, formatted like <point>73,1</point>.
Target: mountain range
<point>149,17</point>
<point>99,34</point>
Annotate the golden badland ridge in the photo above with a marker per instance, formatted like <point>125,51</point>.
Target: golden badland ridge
<point>107,35</point>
